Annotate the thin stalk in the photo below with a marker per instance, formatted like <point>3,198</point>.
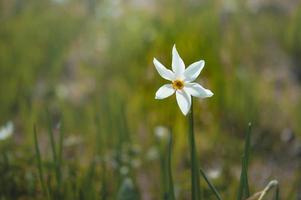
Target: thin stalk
<point>163,169</point>
<point>243,190</point>
<point>52,143</point>
<point>195,175</point>
<point>56,161</point>
<point>277,196</point>
<point>247,145</point>
<point>241,182</point>
<point>104,181</point>
<point>61,140</point>
<point>87,189</point>
<point>171,192</point>
<point>246,179</point>
<point>100,142</point>
<point>39,163</point>
<point>60,154</point>
<point>213,189</point>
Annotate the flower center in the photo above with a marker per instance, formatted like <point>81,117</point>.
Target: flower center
<point>178,84</point>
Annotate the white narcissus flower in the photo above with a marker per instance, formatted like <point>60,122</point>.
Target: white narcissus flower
<point>181,81</point>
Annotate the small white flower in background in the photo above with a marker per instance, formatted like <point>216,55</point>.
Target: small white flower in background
<point>161,132</point>
<point>72,140</point>
<point>181,81</point>
<point>6,131</point>
<point>214,173</point>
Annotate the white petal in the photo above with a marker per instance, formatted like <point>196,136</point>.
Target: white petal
<point>164,73</point>
<point>194,70</point>
<point>197,90</point>
<point>164,91</point>
<point>184,101</point>
<point>178,65</point>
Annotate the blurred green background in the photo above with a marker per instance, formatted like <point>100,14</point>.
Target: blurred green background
<point>87,65</point>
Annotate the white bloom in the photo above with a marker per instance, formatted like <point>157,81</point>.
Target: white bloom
<point>182,81</point>
<point>6,131</point>
<point>161,132</point>
<point>214,173</point>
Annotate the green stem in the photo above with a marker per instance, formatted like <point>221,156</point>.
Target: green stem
<point>39,163</point>
<point>60,155</point>
<point>277,196</point>
<point>163,170</point>
<point>195,175</point>
<point>170,179</point>
<point>55,156</point>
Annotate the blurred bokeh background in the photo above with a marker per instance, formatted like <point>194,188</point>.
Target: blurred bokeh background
<point>86,66</point>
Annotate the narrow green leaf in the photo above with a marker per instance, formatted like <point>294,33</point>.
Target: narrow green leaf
<point>39,163</point>
<point>243,191</point>
<point>246,180</point>
<point>60,155</point>
<point>55,157</point>
<point>241,182</point>
<point>163,170</point>
<point>87,188</point>
<point>100,149</point>
<point>104,192</point>
<point>213,189</point>
<point>61,141</point>
<point>51,137</point>
<point>277,192</point>
<point>247,145</point>
<point>247,157</point>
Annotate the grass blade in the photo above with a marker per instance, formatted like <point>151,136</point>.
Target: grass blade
<point>243,191</point>
<point>39,163</point>
<point>56,161</point>
<point>277,196</point>
<point>213,189</point>
<point>163,170</point>
<point>246,180</point>
<point>100,149</point>
<point>87,188</point>
<point>61,141</point>
<point>51,137</point>
<point>241,183</point>
<point>60,154</point>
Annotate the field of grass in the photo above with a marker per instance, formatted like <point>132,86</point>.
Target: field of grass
<point>77,92</point>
